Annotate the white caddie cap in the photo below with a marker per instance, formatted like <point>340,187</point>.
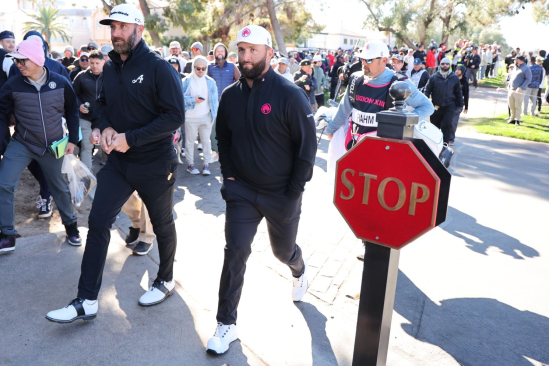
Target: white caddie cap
<point>373,49</point>
<point>317,58</point>
<point>175,44</point>
<point>254,34</point>
<point>124,13</point>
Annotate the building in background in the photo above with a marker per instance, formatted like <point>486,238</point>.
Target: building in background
<point>338,36</point>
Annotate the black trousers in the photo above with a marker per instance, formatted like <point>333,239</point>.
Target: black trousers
<point>245,210</point>
<point>37,173</point>
<point>333,87</point>
<point>539,100</point>
<point>442,118</point>
<point>117,180</point>
<point>320,100</point>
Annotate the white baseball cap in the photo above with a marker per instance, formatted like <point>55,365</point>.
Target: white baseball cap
<point>317,58</point>
<point>373,49</point>
<point>254,34</point>
<point>175,44</point>
<point>124,13</point>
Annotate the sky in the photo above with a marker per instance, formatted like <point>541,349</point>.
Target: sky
<point>519,30</point>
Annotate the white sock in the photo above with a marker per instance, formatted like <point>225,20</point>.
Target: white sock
<point>91,302</point>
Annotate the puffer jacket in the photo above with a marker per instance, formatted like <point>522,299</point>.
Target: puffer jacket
<point>38,113</point>
<point>444,90</point>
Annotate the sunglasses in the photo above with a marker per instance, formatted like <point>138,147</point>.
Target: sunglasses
<point>19,61</point>
<point>200,68</point>
<point>370,60</point>
<point>194,49</point>
<point>91,48</point>
<point>84,59</point>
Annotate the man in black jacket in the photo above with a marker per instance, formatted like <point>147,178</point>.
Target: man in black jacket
<point>87,85</point>
<point>83,64</point>
<point>302,77</point>
<point>472,63</point>
<point>267,147</point>
<point>139,108</point>
<point>445,89</point>
<point>334,75</point>
<point>460,72</point>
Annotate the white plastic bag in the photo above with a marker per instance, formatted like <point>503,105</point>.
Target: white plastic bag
<point>431,134</point>
<point>336,149</point>
<point>81,180</point>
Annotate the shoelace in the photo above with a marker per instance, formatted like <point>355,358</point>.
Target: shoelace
<point>157,283</point>
<point>219,325</point>
<point>41,203</point>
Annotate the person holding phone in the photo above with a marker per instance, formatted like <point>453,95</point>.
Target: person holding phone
<point>201,103</point>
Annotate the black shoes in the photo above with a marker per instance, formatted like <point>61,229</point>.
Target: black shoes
<point>142,248</point>
<point>133,236</point>
<point>44,204</point>
<point>73,236</point>
<point>7,243</point>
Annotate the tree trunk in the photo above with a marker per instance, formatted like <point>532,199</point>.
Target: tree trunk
<point>276,28</point>
<point>147,12</point>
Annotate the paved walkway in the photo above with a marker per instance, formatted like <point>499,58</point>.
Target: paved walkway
<point>470,292</point>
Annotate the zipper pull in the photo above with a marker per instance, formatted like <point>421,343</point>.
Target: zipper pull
<point>169,176</point>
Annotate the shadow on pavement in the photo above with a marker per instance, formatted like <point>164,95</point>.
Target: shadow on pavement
<point>480,238</point>
<point>475,331</point>
<point>322,351</point>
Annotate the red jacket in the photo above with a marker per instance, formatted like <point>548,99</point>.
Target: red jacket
<point>431,62</point>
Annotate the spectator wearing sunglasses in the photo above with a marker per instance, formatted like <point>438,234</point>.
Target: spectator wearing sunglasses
<point>201,103</point>
<point>196,50</point>
<point>38,98</point>
<point>92,46</point>
<point>83,64</point>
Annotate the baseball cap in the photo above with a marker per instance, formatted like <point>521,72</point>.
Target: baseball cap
<point>232,54</point>
<point>373,49</point>
<point>417,61</point>
<point>398,57</point>
<point>522,58</point>
<point>185,54</point>
<point>93,44</point>
<point>30,49</point>
<point>445,60</point>
<point>6,34</point>
<point>85,54</point>
<point>198,45</point>
<point>175,44</point>
<point>254,34</point>
<point>124,13</point>
<point>173,60</point>
<point>305,63</point>
<point>283,60</point>
<point>106,49</point>
<point>317,58</point>
<point>274,61</point>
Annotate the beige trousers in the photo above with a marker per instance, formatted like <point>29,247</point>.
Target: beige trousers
<point>515,100</point>
<point>137,213</point>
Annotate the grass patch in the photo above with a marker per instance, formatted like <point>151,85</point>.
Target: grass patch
<point>497,82</point>
<point>532,128</point>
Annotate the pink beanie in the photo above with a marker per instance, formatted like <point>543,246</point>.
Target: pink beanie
<point>31,49</point>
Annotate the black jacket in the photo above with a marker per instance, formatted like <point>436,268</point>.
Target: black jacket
<point>465,90</point>
<point>266,135</point>
<point>420,54</point>
<point>87,87</point>
<point>445,91</point>
<point>333,71</point>
<point>3,76</point>
<point>77,70</point>
<point>301,83</point>
<point>68,61</point>
<point>143,98</point>
<point>424,79</point>
<point>473,60</point>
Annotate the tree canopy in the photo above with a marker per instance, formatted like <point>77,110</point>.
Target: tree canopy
<point>45,20</point>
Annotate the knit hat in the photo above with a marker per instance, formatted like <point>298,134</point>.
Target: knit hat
<point>198,45</point>
<point>30,49</point>
<point>69,48</point>
<point>445,60</point>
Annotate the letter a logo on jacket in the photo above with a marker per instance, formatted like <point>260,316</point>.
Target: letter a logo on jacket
<point>140,79</point>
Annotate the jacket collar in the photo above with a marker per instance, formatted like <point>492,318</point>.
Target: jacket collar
<point>139,50</point>
<point>26,79</point>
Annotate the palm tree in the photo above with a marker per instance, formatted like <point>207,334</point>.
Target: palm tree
<point>45,21</point>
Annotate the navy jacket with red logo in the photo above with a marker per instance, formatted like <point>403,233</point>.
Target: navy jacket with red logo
<point>266,135</point>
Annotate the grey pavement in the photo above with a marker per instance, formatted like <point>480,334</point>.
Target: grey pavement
<point>471,292</point>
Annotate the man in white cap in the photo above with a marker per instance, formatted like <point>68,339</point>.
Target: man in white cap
<point>262,119</point>
<point>368,94</point>
<point>175,51</point>
<point>283,69</point>
<point>139,107</point>
<point>445,89</point>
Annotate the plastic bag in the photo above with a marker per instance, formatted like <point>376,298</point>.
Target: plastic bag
<point>81,180</point>
<point>336,149</point>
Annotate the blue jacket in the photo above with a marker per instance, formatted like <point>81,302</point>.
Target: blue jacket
<point>537,75</point>
<point>38,113</point>
<point>212,95</point>
<point>423,106</point>
<point>52,65</point>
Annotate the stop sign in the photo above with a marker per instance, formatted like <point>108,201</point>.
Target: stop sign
<point>386,191</point>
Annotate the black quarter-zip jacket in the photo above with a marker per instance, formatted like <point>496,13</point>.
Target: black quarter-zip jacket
<point>266,135</point>
<point>86,85</point>
<point>143,98</point>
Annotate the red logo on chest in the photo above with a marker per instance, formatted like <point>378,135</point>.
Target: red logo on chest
<point>266,109</point>
<point>246,32</point>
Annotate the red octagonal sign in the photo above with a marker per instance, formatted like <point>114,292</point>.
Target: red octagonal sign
<point>386,191</point>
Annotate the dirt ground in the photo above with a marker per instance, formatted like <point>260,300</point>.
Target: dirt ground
<point>26,222</point>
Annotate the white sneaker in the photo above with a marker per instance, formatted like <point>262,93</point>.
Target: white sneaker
<point>159,291</point>
<point>205,170</point>
<point>77,309</point>
<point>191,169</point>
<point>224,335</point>
<point>199,146</point>
<point>300,285</point>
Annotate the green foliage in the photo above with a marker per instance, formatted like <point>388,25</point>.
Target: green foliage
<point>46,21</point>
